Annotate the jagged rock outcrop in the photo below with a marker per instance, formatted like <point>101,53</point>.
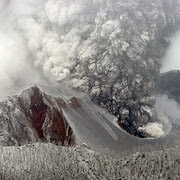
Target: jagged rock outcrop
<point>34,116</point>
<point>46,161</point>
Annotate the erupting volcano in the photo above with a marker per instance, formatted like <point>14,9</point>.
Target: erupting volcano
<point>88,81</point>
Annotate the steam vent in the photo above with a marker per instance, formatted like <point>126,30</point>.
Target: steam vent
<point>90,89</point>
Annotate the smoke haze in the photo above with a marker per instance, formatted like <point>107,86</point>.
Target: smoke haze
<point>13,56</point>
<point>169,107</point>
<point>34,35</point>
<point>171,61</point>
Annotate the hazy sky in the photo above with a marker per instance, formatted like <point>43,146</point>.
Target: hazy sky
<point>171,61</point>
<point>16,61</point>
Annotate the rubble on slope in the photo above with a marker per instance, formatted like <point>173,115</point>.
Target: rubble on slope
<point>46,161</point>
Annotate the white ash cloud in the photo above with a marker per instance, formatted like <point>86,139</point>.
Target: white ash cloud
<point>32,33</point>
<point>64,36</point>
<point>57,35</point>
<point>15,70</point>
<point>153,129</point>
<point>167,112</point>
<point>60,34</point>
<point>44,26</point>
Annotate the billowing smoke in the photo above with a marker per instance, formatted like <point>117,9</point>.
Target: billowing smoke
<point>58,37</point>
<point>16,69</point>
<point>44,25</point>
<point>169,107</point>
<point>29,42</point>
<point>153,129</point>
<point>45,34</point>
<point>167,112</point>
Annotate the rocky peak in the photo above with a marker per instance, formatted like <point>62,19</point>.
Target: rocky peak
<point>35,116</point>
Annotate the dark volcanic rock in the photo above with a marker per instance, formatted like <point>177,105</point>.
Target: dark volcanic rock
<point>62,116</point>
<point>34,116</point>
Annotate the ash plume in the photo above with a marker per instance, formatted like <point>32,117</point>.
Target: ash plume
<point>41,35</point>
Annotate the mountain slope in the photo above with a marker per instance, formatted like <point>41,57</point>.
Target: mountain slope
<point>62,116</point>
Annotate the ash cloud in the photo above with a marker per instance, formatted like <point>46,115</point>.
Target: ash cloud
<point>48,35</point>
<point>167,112</point>
<point>56,37</point>
<point>15,70</point>
<point>169,107</point>
<point>44,27</point>
<point>27,46</point>
<point>153,129</point>
<point>46,30</point>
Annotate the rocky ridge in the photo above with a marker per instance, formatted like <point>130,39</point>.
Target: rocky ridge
<point>33,116</point>
<point>56,114</point>
<point>55,162</point>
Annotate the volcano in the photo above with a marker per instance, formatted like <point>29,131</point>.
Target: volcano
<point>81,93</point>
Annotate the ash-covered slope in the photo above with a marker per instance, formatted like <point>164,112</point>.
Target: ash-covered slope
<point>62,116</point>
